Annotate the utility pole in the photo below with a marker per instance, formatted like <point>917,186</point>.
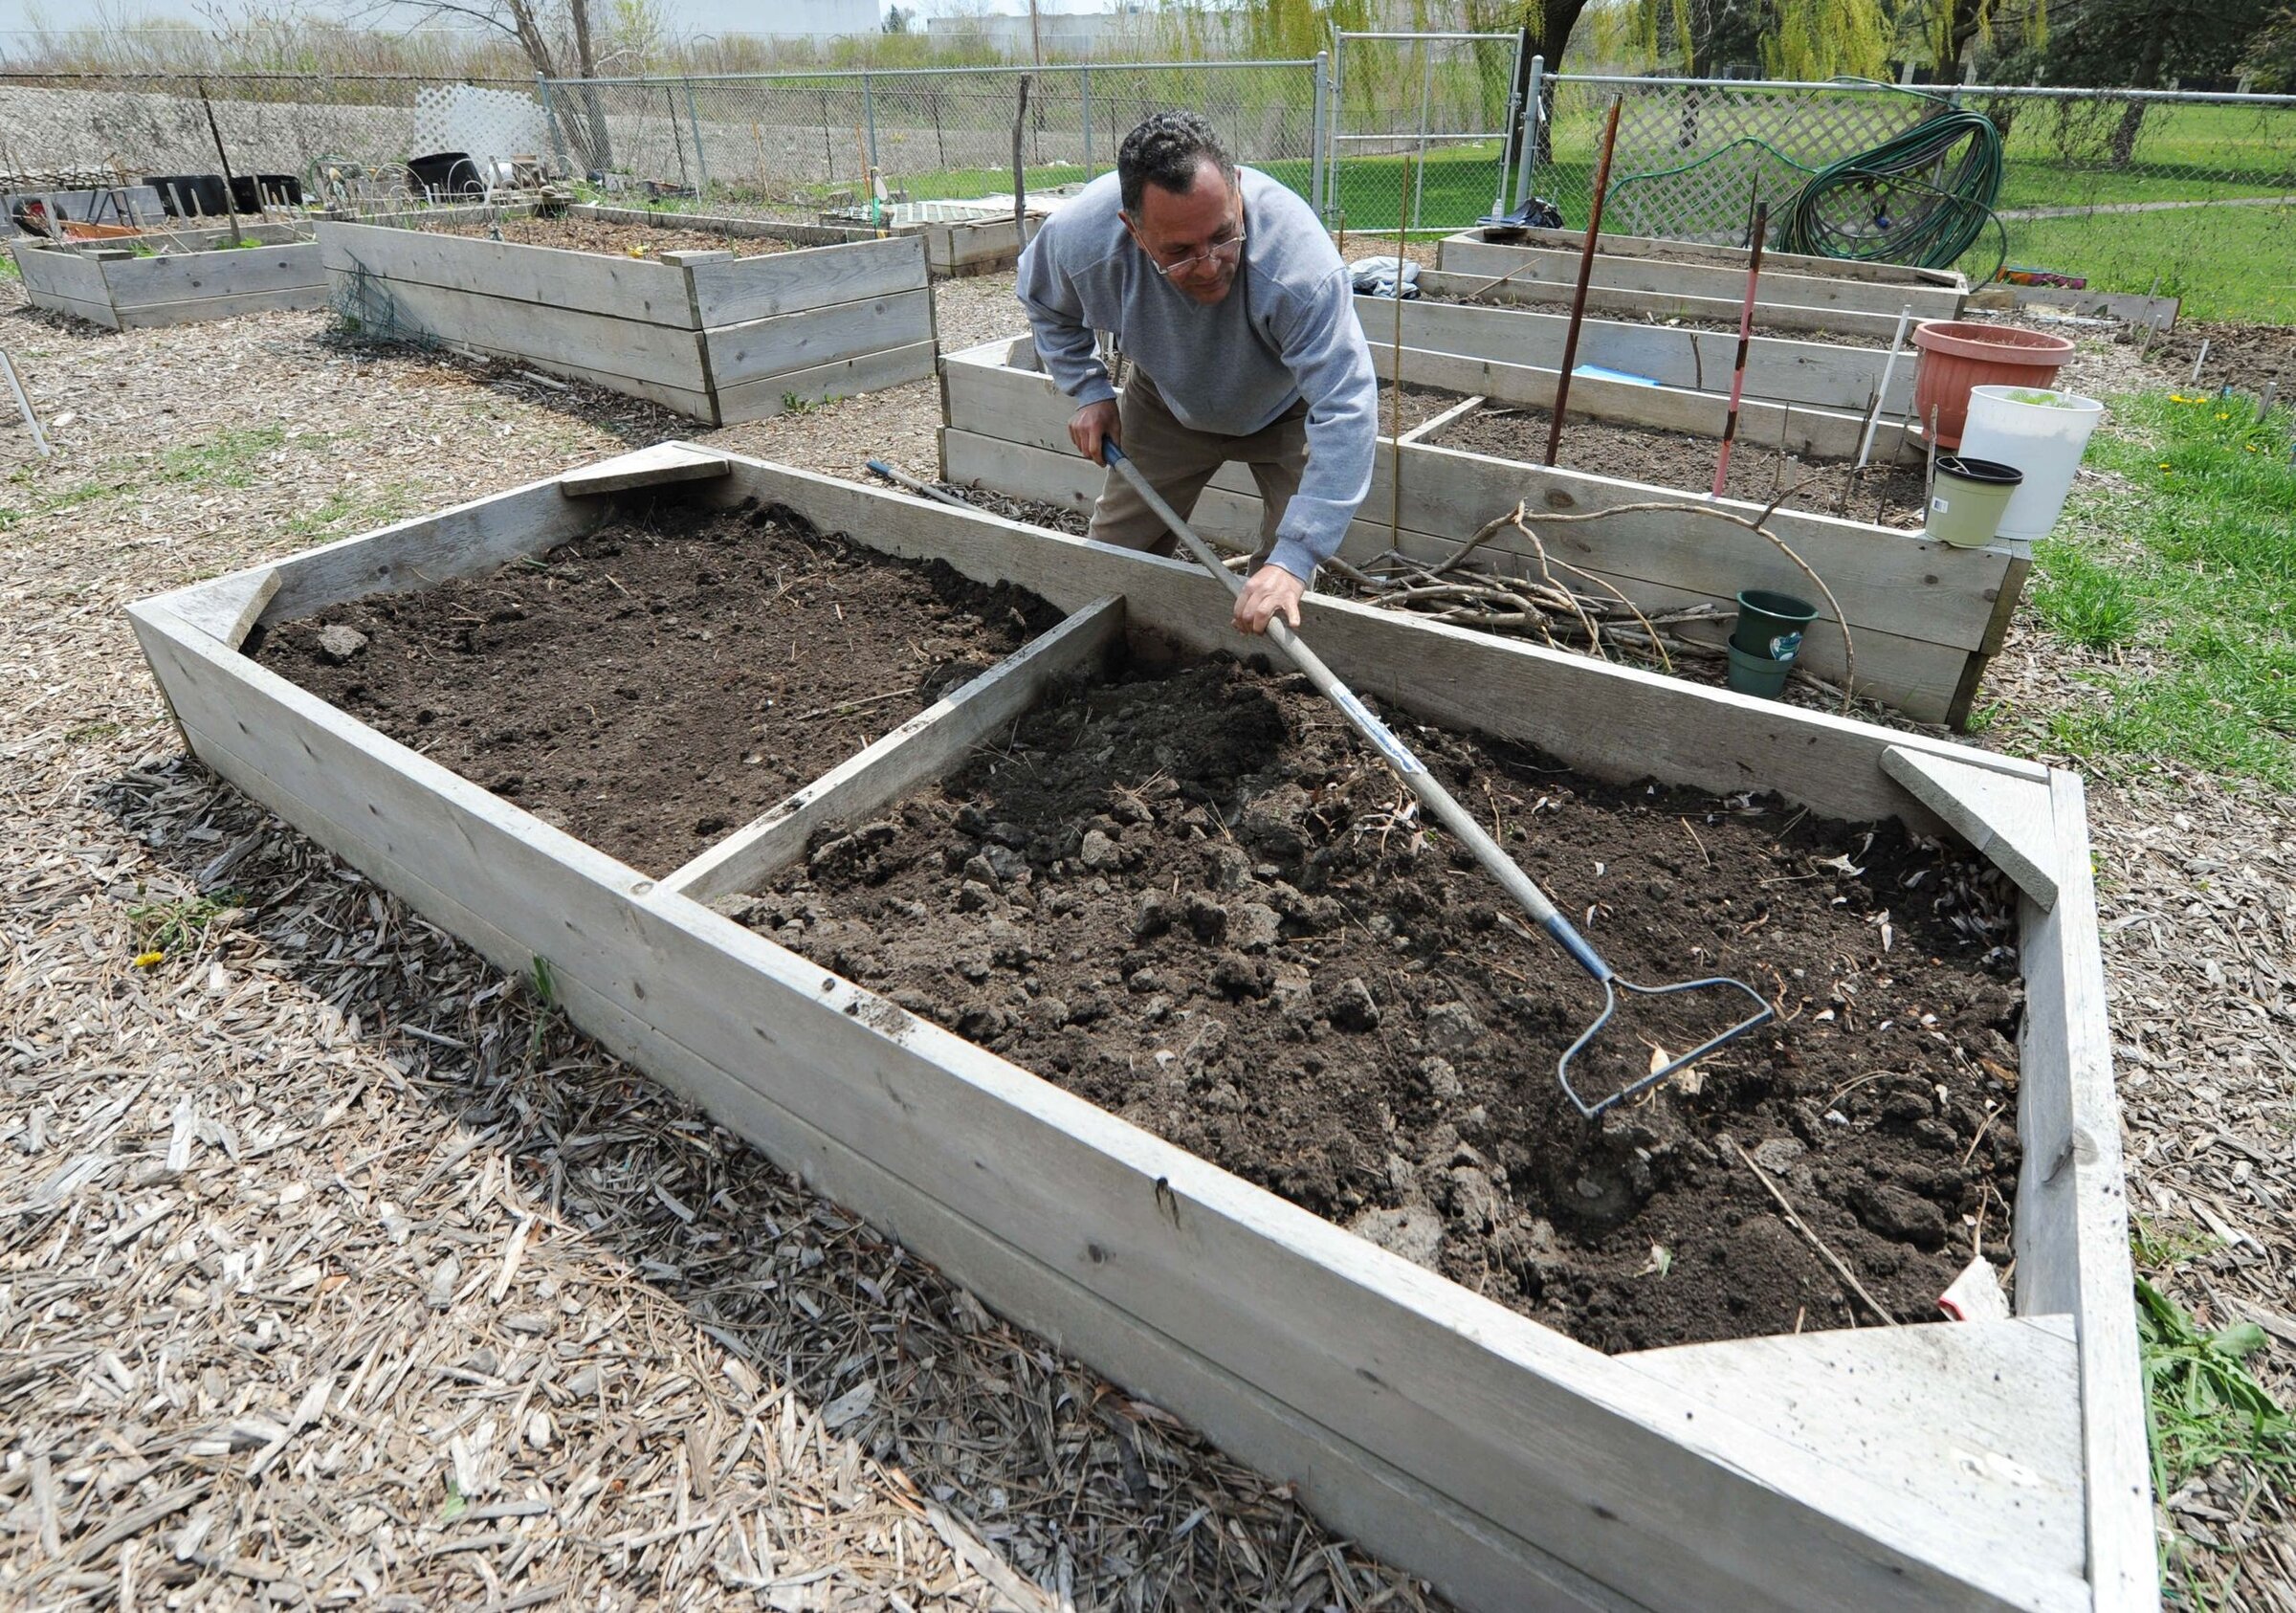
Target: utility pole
<point>1036,35</point>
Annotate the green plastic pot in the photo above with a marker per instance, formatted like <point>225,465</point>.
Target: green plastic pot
<point>1969,498</point>
<point>1771,625</point>
<point>1758,674</point>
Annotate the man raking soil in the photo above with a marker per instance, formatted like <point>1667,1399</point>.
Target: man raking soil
<point>1237,317</point>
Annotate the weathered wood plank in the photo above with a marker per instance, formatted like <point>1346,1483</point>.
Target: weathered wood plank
<point>625,289</point>
<point>2072,1212</point>
<point>154,316</point>
<point>1529,290</point>
<point>842,378</point>
<point>195,276</point>
<point>1981,1419</point>
<point>792,341</point>
<point>1728,257</point>
<point>743,289</point>
<point>1685,1505</point>
<point>56,272</point>
<point>2010,821</point>
<point>628,355</point>
<point>224,608</point>
<point>920,749</point>
<point>1783,370</point>
<point>465,541</point>
<point>1781,290</point>
<point>647,467</point>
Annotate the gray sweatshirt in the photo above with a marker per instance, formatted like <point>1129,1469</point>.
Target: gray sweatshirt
<point>1287,330</point>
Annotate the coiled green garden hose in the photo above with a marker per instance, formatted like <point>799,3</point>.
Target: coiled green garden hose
<point>1922,197</point>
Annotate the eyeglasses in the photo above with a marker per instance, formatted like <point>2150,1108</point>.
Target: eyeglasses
<point>1219,252</point>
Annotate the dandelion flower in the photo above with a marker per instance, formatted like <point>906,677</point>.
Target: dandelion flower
<point>146,960</point>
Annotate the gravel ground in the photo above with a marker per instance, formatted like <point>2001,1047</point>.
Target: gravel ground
<point>335,1266</point>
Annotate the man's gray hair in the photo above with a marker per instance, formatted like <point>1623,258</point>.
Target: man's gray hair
<point>1167,151</point>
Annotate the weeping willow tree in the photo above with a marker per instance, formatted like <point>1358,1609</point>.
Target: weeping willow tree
<point>1826,39</point>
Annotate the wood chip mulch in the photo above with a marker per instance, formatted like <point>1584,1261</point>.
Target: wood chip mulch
<point>334,1269</point>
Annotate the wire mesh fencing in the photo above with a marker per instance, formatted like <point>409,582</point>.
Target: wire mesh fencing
<point>1421,131</point>
<point>126,148</point>
<point>2181,195</point>
<point>818,146</point>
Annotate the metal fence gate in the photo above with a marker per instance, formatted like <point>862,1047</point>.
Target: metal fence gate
<point>1447,103</point>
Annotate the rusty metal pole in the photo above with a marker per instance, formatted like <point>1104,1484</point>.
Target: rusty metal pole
<point>1586,273</point>
<point>1737,376</point>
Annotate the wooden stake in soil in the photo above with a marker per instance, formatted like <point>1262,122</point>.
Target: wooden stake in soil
<point>1873,415</point>
<point>1738,374</point>
<point>1020,185</point>
<point>1395,408</point>
<point>231,203</point>
<point>1928,476</point>
<point>1586,273</point>
<point>39,438</point>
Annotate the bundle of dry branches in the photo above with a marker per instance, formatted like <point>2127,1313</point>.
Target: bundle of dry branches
<point>1594,619</point>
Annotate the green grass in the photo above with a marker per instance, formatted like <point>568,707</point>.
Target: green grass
<point>340,512</point>
<point>229,458</point>
<point>7,268</point>
<point>2227,263</point>
<point>2196,597</point>
<point>2202,1404</point>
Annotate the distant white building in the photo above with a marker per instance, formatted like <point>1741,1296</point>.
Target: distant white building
<point>813,19</point>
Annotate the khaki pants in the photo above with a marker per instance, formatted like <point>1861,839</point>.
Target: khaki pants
<point>1179,460</point>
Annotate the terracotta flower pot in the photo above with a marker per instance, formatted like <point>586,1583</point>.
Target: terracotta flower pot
<point>1957,355</point>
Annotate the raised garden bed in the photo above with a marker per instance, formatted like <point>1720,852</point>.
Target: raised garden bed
<point>1523,289</point>
<point>125,289</point>
<point>1633,265</point>
<point>712,335</point>
<point>1925,618</point>
<point>1987,1463</point>
<point>1781,370</point>
<point>655,684</point>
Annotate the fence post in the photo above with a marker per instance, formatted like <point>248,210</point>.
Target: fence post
<point>701,164</point>
<point>1085,96</point>
<point>1319,139</point>
<point>1528,163</point>
<point>868,121</point>
<point>557,134</point>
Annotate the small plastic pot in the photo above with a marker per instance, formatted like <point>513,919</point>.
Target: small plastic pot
<point>1771,625</point>
<point>1971,497</point>
<point>1756,674</point>
<point>1957,355</point>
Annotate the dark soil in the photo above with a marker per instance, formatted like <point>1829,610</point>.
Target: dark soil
<point>1192,900</point>
<point>2246,357</point>
<point>1613,315</point>
<point>618,240</point>
<point>1032,512</point>
<point>1887,496</point>
<point>656,685</point>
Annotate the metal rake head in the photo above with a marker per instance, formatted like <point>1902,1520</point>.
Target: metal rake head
<point>1612,985</point>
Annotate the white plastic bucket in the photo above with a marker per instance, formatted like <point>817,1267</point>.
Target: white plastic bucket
<point>2041,432</point>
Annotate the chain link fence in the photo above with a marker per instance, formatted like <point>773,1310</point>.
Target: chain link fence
<point>94,143</point>
<point>2185,194</point>
<point>2190,196</point>
<point>1441,106</point>
<point>815,146</point>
